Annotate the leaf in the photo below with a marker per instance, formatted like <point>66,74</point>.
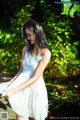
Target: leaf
<point>74,9</point>
<point>66,10</point>
<point>66,6</point>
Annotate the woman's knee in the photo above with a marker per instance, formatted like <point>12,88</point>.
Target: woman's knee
<point>31,118</point>
<point>18,117</point>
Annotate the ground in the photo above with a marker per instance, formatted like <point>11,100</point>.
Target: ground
<point>65,111</point>
<point>4,105</point>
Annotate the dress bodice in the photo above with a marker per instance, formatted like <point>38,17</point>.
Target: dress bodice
<point>30,62</point>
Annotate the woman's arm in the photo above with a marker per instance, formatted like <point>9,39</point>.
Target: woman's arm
<point>21,67</point>
<point>38,72</point>
<point>6,94</point>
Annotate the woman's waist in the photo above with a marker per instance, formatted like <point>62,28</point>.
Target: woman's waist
<point>28,69</point>
<point>30,72</point>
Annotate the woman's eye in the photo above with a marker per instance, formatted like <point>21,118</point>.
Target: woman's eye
<point>28,35</point>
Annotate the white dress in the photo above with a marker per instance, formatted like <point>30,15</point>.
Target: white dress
<point>32,101</point>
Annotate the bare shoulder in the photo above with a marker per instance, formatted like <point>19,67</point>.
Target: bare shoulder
<point>23,51</point>
<point>24,48</point>
<point>46,53</point>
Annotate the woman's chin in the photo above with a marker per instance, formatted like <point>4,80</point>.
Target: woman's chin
<point>32,43</point>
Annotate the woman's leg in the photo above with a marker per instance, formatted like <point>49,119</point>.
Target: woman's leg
<point>18,117</point>
<point>31,118</point>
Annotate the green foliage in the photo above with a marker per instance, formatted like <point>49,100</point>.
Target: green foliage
<point>57,102</point>
<point>71,8</point>
<point>8,57</point>
<point>21,17</point>
<point>11,42</point>
<point>60,94</point>
<point>64,60</point>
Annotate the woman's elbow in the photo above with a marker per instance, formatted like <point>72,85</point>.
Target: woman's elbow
<point>36,77</point>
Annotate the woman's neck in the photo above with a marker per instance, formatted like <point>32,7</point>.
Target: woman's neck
<point>36,50</point>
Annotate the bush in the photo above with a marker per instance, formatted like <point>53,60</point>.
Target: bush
<point>11,42</point>
<point>64,61</point>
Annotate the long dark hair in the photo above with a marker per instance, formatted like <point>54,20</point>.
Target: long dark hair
<point>40,35</point>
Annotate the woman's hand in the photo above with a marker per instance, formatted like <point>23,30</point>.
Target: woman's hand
<point>8,94</point>
<point>5,83</point>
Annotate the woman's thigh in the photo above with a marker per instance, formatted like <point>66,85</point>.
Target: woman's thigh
<point>18,117</point>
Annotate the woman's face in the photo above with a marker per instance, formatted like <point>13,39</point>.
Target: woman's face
<point>30,36</point>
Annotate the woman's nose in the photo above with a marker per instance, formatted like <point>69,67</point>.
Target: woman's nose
<point>28,37</point>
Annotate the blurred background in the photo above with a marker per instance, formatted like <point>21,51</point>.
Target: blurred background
<point>61,22</point>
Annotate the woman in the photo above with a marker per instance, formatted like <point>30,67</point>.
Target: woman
<point>27,92</point>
